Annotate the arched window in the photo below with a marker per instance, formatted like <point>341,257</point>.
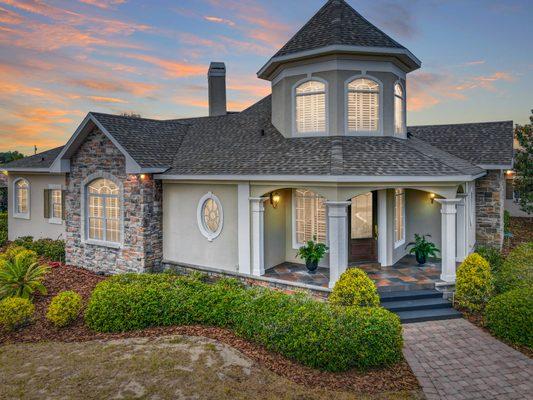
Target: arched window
<point>103,211</point>
<point>399,126</point>
<point>309,215</point>
<point>310,103</point>
<point>363,105</point>
<point>210,216</point>
<point>22,198</point>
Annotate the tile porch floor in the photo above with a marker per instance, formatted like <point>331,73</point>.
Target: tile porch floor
<point>406,274</point>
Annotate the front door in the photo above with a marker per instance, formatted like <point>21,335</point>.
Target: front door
<point>362,229</point>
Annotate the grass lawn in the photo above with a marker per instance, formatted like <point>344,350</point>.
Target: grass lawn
<point>170,367</point>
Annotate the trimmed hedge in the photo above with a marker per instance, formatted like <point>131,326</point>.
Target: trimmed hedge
<point>313,333</point>
<point>15,312</point>
<point>355,288</point>
<point>517,269</point>
<point>474,284</point>
<point>3,229</point>
<point>54,250</point>
<point>493,256</point>
<point>510,316</point>
<point>64,308</point>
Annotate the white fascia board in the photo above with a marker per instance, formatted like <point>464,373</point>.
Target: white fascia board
<point>343,49</point>
<point>22,169</point>
<point>495,166</point>
<point>132,167</point>
<point>320,178</point>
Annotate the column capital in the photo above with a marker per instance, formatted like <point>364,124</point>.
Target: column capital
<point>338,209</point>
<point>257,203</point>
<point>448,205</point>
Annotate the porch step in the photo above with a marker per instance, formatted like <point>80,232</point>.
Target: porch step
<point>428,315</point>
<point>418,304</point>
<point>409,295</point>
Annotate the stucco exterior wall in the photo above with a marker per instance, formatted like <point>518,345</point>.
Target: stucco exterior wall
<point>141,220</point>
<point>422,217</point>
<point>36,226</point>
<point>182,239</point>
<point>275,230</point>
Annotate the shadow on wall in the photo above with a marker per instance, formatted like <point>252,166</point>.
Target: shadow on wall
<point>3,199</point>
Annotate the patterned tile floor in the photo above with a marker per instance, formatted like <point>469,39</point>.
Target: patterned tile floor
<point>406,274</point>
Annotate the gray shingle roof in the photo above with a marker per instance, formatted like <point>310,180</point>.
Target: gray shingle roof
<point>41,160</point>
<point>485,143</point>
<point>152,143</point>
<point>337,23</point>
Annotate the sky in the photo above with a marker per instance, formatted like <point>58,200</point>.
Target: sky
<point>61,59</point>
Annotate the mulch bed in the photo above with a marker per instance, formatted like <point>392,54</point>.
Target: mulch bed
<point>396,378</point>
<point>522,229</point>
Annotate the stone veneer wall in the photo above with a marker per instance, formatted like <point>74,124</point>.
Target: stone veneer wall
<point>142,246</point>
<point>490,205</point>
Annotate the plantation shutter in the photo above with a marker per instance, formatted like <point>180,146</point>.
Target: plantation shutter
<point>63,208</point>
<point>47,203</point>
<point>363,106</point>
<point>311,107</point>
<point>310,217</point>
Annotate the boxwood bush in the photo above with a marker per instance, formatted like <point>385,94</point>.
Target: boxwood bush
<point>474,285</point>
<point>64,308</point>
<point>517,269</point>
<point>355,288</point>
<point>15,312</point>
<point>313,333</point>
<point>510,316</point>
<point>54,250</point>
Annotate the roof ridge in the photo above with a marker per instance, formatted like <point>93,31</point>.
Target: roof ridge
<point>461,123</point>
<point>337,155</point>
<point>95,114</point>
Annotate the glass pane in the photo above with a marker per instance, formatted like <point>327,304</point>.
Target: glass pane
<point>22,199</point>
<point>211,215</point>
<point>362,217</point>
<point>112,231</point>
<point>310,211</point>
<point>311,87</point>
<point>112,208</point>
<point>399,215</point>
<point>398,91</point>
<point>398,115</point>
<point>311,113</point>
<point>363,111</point>
<point>96,229</point>
<point>364,85</point>
<point>56,204</point>
<point>103,186</point>
<point>96,206</point>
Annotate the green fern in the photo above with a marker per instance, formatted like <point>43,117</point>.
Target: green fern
<point>22,276</point>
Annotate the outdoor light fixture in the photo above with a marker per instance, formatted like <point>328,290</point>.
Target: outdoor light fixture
<point>275,199</point>
<point>143,177</point>
<point>509,172</point>
<point>432,197</point>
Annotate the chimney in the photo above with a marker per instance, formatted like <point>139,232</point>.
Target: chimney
<point>216,78</point>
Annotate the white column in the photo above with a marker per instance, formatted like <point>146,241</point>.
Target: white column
<point>243,218</point>
<point>462,233</point>
<point>338,239</point>
<point>258,251</point>
<point>383,247</point>
<point>448,212</point>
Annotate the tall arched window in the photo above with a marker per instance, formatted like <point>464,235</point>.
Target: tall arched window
<point>363,105</point>
<point>103,211</point>
<point>22,198</point>
<point>309,217</point>
<point>310,103</point>
<point>399,126</point>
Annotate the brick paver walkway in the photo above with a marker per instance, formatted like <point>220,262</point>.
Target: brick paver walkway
<point>456,360</point>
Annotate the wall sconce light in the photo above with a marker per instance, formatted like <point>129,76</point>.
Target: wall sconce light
<point>143,177</point>
<point>275,199</point>
<point>509,172</point>
<point>432,197</point>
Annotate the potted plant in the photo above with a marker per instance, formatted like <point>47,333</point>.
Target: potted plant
<point>312,253</point>
<point>422,248</point>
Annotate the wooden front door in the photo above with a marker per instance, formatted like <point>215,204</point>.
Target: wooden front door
<point>362,240</point>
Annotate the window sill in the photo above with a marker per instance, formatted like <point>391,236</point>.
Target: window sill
<point>21,216</point>
<point>55,221</point>
<point>101,243</point>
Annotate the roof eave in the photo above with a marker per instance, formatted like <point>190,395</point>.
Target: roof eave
<point>405,56</point>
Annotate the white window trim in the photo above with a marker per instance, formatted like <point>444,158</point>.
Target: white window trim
<point>85,211</point>
<point>295,132</point>
<point>404,109</point>
<point>52,220</point>
<point>347,131</point>
<point>295,244</point>
<point>402,241</point>
<point>16,214</point>
<point>209,235</point>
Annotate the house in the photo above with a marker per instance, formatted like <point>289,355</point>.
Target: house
<point>327,154</point>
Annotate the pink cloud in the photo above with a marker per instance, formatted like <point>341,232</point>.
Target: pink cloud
<point>173,69</point>
<point>219,20</point>
<point>103,3</point>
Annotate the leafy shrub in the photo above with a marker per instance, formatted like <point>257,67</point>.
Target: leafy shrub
<point>313,333</point>
<point>474,284</point>
<point>510,316</point>
<point>15,312</point>
<point>21,275</point>
<point>12,251</point>
<point>3,229</point>
<point>64,308</point>
<point>53,250</point>
<point>517,269</point>
<point>355,288</point>
<point>493,256</point>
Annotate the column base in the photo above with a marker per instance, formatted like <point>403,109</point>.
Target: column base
<point>448,278</point>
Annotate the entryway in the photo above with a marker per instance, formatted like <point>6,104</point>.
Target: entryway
<point>362,229</point>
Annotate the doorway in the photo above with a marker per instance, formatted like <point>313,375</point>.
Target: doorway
<point>362,229</point>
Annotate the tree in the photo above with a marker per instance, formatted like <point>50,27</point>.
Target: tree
<point>523,183</point>
<point>10,156</point>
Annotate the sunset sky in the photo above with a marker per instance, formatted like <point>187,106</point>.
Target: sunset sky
<point>62,59</point>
